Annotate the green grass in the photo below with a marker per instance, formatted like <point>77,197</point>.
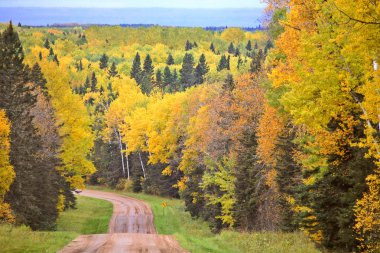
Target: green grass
<point>195,235</point>
<point>90,217</point>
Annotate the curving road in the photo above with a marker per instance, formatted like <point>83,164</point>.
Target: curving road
<point>131,229</point>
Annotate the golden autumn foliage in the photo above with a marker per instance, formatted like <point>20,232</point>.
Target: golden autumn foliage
<point>7,173</point>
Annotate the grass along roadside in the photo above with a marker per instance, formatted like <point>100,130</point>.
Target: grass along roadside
<point>195,235</point>
<point>91,217</point>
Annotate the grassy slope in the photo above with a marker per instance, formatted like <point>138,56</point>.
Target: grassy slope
<point>90,217</point>
<point>195,235</point>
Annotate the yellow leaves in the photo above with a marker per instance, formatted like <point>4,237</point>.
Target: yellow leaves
<point>167,171</point>
<point>235,35</point>
<point>7,173</point>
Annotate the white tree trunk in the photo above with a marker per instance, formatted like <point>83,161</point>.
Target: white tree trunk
<point>142,164</point>
<point>121,152</point>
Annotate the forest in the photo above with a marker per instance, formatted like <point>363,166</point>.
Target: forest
<point>271,130</point>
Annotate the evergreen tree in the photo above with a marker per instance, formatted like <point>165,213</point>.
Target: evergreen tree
<point>47,44</point>
<point>201,70</point>
<point>112,72</point>
<point>87,84</point>
<point>55,58</point>
<point>228,66</point>
<point>231,48</point>
<point>249,46</point>
<point>187,71</point>
<point>103,61</point>
<point>268,46</point>
<point>222,63</point>
<point>136,68</point>
<point>159,78</point>
<point>40,56</point>
<point>33,196</point>
<point>229,83</point>
<point>240,62</point>
<point>256,46</point>
<point>147,75</point>
<point>94,82</point>
<point>212,48</point>
<point>170,60</point>
<point>195,44</point>
<point>51,52</point>
<point>175,83</point>
<point>19,24</point>
<point>188,46</point>
<point>237,52</point>
<point>167,78</point>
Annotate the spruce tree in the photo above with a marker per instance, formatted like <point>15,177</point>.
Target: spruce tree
<point>167,77</point>
<point>136,68</point>
<point>51,52</point>
<point>222,63</point>
<point>212,48</point>
<point>174,84</point>
<point>231,48</point>
<point>40,56</point>
<point>33,196</point>
<point>201,70</point>
<point>47,44</point>
<point>159,78</point>
<point>55,59</point>
<point>187,71</point>
<point>188,46</point>
<point>170,60</point>
<point>147,75</point>
<point>94,82</point>
<point>112,72</point>
<point>87,84</point>
<point>237,52</point>
<point>229,83</point>
<point>256,46</point>
<point>103,61</point>
<point>249,46</point>
<point>228,66</point>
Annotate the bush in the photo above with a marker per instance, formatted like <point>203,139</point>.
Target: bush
<point>124,185</point>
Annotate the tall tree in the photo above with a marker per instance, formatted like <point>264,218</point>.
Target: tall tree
<point>249,45</point>
<point>231,48</point>
<point>187,71</point>
<point>103,64</point>
<point>136,68</point>
<point>170,60</point>
<point>112,72</point>
<point>201,70</point>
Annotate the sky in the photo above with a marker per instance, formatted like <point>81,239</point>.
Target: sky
<point>206,4</point>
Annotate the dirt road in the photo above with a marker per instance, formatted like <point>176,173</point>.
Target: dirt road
<point>131,229</point>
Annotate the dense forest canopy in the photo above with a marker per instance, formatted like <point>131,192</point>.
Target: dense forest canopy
<point>255,131</point>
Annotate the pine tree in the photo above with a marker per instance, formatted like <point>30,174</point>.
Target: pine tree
<point>249,46</point>
<point>174,83</point>
<point>19,24</point>
<point>159,78</point>
<point>103,61</point>
<point>112,72</point>
<point>212,48</point>
<point>228,66</point>
<point>40,56</point>
<point>148,68</point>
<point>136,68</point>
<point>240,62</point>
<point>87,84</point>
<point>256,46</point>
<point>170,60</point>
<point>94,82</point>
<point>188,46</point>
<point>187,71</point>
<point>33,196</point>
<point>222,63</point>
<point>231,48</point>
<point>268,46</point>
<point>51,52</point>
<point>167,77</point>
<point>195,44</point>
<point>237,52</point>
<point>229,83</point>
<point>55,58</point>
<point>201,70</point>
<point>47,44</point>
